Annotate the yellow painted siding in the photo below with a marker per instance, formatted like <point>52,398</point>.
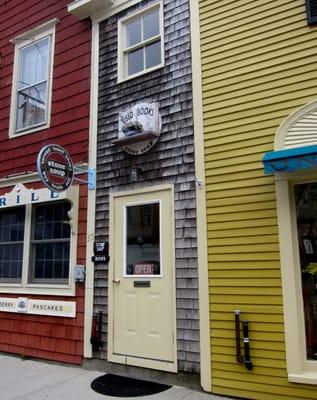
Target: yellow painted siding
<point>259,63</point>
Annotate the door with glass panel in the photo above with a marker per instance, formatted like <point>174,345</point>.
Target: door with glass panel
<point>143,277</point>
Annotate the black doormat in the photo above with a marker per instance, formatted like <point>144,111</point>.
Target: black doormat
<point>121,386</point>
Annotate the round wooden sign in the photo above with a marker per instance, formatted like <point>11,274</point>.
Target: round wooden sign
<point>55,167</point>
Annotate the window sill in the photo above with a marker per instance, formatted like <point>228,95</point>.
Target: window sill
<point>49,290</point>
<point>304,377</point>
<point>146,71</point>
<point>14,134</point>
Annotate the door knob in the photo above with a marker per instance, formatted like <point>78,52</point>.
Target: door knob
<point>116,280</point>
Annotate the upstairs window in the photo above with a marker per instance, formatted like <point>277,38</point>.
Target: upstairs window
<point>32,80</point>
<point>140,43</point>
<point>32,85</point>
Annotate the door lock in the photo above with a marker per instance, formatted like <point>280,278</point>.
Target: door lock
<point>116,280</point>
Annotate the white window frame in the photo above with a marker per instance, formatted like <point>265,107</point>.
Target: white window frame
<point>123,50</point>
<point>299,368</point>
<point>24,286</point>
<point>124,243</point>
<point>27,39</point>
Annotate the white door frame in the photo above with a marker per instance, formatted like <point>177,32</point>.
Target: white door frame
<point>122,359</point>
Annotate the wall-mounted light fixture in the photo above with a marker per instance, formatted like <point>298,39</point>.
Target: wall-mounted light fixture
<point>135,173</point>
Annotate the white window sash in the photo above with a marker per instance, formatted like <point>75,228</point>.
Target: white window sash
<point>46,30</point>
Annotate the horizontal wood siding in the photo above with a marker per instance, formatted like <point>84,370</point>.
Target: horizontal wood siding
<point>52,338</point>
<point>171,161</point>
<point>71,77</point>
<point>258,65</point>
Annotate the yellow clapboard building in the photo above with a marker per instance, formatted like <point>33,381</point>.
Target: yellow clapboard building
<point>259,124</point>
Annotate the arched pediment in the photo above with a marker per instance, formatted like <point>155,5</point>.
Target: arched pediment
<point>298,129</point>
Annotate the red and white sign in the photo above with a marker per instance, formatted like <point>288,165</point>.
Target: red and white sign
<point>55,167</point>
<point>143,269</point>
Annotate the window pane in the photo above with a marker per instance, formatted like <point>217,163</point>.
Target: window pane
<point>135,61</point>
<point>31,106</point>
<point>143,240</point>
<point>51,260</point>
<point>153,54</point>
<point>133,32</point>
<point>306,212</point>
<point>50,248</point>
<point>32,84</point>
<point>52,221</point>
<point>33,63</point>
<point>11,244</point>
<point>151,26</point>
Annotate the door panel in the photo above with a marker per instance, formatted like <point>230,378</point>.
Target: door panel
<point>143,286</point>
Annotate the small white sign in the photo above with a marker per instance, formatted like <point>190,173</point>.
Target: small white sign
<point>38,307</point>
<point>21,195</point>
<point>8,304</point>
<point>54,308</point>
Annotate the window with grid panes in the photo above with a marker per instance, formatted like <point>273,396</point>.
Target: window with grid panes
<point>142,41</point>
<point>47,238</point>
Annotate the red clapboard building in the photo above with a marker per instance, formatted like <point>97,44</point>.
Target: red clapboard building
<point>44,100</point>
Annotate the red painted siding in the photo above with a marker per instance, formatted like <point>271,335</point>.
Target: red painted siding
<point>52,338</point>
<point>70,93</point>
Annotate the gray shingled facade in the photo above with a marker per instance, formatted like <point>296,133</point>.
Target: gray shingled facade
<point>171,160</point>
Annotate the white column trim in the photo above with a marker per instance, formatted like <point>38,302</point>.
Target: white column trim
<point>91,204</point>
<point>204,317</point>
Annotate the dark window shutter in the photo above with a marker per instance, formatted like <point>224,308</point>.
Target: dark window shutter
<point>311,9</point>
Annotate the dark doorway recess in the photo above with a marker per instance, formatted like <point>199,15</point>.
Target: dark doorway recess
<point>121,386</point>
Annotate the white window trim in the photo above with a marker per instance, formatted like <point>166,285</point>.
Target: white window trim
<point>26,39</point>
<point>299,368</point>
<point>122,75</point>
<point>72,195</point>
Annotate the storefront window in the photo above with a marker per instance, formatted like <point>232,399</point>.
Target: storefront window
<point>45,238</point>
<point>143,239</point>
<point>50,243</point>
<point>306,214</point>
<point>11,244</point>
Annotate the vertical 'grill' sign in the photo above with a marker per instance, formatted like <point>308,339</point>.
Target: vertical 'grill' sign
<point>55,167</point>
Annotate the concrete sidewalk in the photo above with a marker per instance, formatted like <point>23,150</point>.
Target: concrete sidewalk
<point>35,380</point>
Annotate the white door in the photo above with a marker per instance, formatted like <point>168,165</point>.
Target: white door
<point>143,279</point>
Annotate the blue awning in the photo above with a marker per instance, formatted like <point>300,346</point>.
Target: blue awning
<point>290,160</point>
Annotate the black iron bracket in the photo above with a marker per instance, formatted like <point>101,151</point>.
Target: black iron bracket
<point>96,331</point>
<point>246,359</point>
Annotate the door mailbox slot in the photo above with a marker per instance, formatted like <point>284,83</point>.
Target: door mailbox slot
<point>142,283</point>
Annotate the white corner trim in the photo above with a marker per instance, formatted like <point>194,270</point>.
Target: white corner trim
<point>91,206</point>
<point>204,317</point>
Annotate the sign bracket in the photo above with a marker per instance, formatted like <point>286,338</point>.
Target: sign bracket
<point>91,181</point>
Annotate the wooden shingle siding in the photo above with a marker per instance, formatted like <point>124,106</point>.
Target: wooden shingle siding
<point>171,160</point>
<point>258,66</point>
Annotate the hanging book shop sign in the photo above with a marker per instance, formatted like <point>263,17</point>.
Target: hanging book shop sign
<point>139,128</point>
<point>55,167</point>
